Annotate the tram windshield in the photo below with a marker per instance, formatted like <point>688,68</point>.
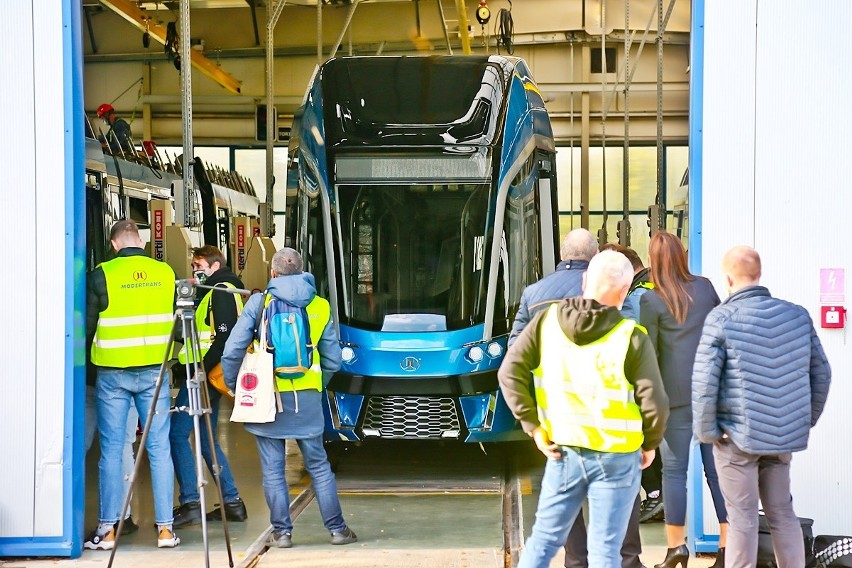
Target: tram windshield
<point>413,255</point>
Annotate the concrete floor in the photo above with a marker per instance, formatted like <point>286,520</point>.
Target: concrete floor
<point>412,505</point>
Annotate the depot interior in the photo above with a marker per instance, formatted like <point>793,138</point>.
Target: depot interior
<point>618,102</point>
<point>581,72</point>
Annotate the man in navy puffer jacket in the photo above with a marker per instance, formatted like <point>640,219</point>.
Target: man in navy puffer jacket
<point>578,248</point>
<point>759,385</point>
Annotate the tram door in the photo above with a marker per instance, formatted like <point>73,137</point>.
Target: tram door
<point>549,211</point>
<point>98,221</point>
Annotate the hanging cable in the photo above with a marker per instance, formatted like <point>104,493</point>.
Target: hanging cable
<point>602,233</point>
<point>505,30</point>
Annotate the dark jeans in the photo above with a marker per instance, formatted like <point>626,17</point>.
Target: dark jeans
<point>184,458</point>
<point>675,450</point>
<point>652,476</point>
<point>576,553</point>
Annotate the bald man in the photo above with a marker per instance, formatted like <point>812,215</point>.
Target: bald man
<point>578,248</point>
<point>759,385</point>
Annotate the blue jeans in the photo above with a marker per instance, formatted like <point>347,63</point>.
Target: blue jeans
<point>610,481</point>
<point>117,389</point>
<point>272,463</point>
<point>184,458</point>
<point>127,461</point>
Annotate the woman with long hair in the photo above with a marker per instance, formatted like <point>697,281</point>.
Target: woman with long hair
<point>673,313</point>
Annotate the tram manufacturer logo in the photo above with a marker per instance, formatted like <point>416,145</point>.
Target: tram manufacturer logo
<point>140,275</point>
<point>410,364</point>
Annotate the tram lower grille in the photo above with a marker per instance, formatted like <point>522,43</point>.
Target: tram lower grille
<point>411,416</point>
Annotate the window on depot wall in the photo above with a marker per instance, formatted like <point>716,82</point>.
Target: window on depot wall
<point>642,188</point>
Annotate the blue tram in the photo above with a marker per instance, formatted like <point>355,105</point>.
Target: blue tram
<point>423,200</point>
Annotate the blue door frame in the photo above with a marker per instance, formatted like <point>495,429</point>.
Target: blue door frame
<point>70,542</point>
<point>696,536</point>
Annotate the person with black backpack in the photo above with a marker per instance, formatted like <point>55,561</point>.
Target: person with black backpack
<point>306,353</point>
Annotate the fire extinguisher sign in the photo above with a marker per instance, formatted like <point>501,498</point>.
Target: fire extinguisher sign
<point>241,246</point>
<point>159,239</point>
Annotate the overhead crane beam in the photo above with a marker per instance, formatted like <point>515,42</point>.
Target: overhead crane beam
<point>131,12</point>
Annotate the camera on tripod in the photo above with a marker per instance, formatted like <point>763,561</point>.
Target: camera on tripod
<point>185,292</point>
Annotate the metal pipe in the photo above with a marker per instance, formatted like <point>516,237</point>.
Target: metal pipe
<point>88,14</point>
<point>624,224</point>
<point>253,5</point>
<point>444,26</point>
<point>463,35</point>
<point>319,32</point>
<point>602,236</point>
<point>186,109</point>
<point>346,23</point>
<point>270,108</point>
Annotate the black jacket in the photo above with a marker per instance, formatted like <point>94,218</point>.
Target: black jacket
<point>223,308</point>
<point>675,342</point>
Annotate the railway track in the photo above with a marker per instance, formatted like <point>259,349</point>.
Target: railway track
<point>402,477</point>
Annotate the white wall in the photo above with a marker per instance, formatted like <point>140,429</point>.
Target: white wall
<point>777,138</point>
<point>32,245</point>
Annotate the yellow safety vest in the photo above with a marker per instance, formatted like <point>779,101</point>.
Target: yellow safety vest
<point>206,331</point>
<point>645,285</point>
<point>583,398</point>
<point>134,329</point>
<point>319,315</point>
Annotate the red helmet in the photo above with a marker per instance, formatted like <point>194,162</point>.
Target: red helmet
<point>105,108</point>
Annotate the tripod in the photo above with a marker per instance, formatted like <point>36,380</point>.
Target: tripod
<point>198,406</point>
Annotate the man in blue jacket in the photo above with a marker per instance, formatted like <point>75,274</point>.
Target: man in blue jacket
<point>759,365</point>
<point>578,248</point>
<point>299,416</point>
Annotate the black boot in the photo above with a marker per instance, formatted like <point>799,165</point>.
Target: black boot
<point>720,559</point>
<point>187,514</point>
<point>235,511</point>
<point>675,556</point>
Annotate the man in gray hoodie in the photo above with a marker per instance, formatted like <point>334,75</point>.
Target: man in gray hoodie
<point>300,415</point>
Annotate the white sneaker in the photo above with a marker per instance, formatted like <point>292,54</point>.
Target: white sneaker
<point>98,541</point>
<point>167,538</point>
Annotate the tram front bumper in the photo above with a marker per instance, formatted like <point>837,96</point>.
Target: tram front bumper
<point>466,407</point>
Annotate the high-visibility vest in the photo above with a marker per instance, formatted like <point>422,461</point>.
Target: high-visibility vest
<point>645,285</point>
<point>319,315</point>
<point>207,331</point>
<point>583,397</point>
<point>134,329</point>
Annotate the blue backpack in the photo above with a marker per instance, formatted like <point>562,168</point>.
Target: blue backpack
<point>289,337</point>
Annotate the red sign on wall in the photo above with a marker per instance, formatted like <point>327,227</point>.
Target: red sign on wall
<point>241,246</point>
<point>159,242</point>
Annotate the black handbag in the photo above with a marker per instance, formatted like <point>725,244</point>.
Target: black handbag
<point>765,552</point>
<point>831,551</point>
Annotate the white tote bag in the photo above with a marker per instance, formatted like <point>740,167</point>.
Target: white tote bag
<point>256,394</point>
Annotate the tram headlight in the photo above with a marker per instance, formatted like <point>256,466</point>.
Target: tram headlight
<point>475,354</point>
<point>494,350</point>
<point>347,354</point>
